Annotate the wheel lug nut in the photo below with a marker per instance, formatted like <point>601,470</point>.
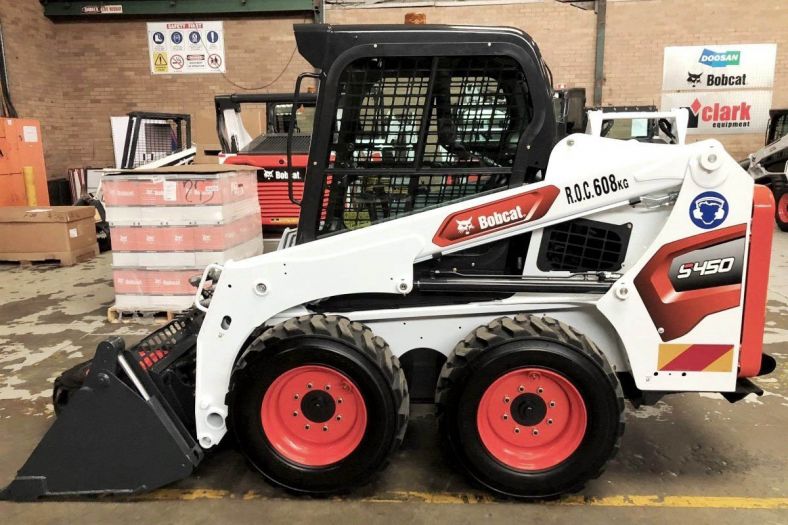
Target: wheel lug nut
<point>306,427</point>
<point>325,429</point>
<point>552,404</point>
<point>506,399</point>
<point>295,414</point>
<point>328,387</point>
<point>549,421</point>
<point>295,396</point>
<point>339,400</point>
<point>540,390</point>
<point>535,432</point>
<point>309,385</point>
<point>339,418</point>
<point>521,388</point>
<point>516,430</point>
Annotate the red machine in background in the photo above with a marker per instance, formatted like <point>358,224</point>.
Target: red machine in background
<point>21,150</point>
<point>268,151</point>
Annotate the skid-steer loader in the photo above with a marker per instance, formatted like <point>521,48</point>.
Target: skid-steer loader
<point>553,280</point>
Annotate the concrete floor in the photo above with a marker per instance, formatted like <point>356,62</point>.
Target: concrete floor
<point>691,458</point>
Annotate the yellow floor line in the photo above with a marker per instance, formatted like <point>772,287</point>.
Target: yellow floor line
<point>705,502</point>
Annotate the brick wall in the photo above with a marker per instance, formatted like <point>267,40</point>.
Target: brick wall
<point>73,75</point>
<point>35,83</point>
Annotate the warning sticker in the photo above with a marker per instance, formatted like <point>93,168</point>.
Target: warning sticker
<point>160,62</point>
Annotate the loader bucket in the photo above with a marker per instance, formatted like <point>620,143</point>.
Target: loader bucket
<point>117,435</point>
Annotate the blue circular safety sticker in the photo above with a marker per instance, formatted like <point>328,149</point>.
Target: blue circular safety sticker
<point>708,210</point>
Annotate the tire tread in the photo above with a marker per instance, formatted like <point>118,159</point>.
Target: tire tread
<point>531,327</point>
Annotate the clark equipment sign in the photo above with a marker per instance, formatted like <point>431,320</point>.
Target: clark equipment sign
<point>739,111</point>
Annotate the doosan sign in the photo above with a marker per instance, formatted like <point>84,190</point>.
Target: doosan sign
<point>717,59</point>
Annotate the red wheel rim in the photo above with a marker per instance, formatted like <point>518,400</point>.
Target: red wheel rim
<point>531,419</point>
<point>782,208</point>
<point>313,415</point>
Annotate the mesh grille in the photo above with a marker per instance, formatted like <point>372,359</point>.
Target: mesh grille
<point>583,246</point>
<point>355,201</point>
<point>475,112</point>
<point>416,132</point>
<point>277,143</point>
<point>156,139</point>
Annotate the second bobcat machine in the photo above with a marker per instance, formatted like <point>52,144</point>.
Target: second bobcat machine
<point>551,280</point>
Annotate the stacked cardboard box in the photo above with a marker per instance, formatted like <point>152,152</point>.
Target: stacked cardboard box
<point>167,224</point>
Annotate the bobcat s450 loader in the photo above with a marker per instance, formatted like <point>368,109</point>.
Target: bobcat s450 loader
<point>550,280</point>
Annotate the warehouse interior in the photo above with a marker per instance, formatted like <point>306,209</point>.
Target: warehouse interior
<point>200,217</point>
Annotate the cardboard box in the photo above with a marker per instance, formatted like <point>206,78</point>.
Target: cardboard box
<point>64,233</point>
<point>203,238</point>
<point>191,259</point>
<point>163,282</point>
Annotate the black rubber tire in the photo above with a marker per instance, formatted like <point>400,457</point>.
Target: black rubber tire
<point>349,347</point>
<point>506,344</point>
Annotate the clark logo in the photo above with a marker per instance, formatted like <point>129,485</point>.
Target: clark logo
<point>719,58</point>
<point>720,115</point>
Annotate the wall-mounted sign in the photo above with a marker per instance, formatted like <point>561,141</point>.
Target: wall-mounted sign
<point>177,48</point>
<point>723,67</point>
<point>723,112</point>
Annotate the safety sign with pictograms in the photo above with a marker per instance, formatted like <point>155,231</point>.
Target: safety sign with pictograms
<point>178,48</point>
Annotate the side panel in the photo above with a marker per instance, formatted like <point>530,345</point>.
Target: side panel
<point>441,328</point>
<point>679,319</point>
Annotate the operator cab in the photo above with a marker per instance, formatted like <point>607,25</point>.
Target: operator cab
<point>410,118</point>
<point>413,117</point>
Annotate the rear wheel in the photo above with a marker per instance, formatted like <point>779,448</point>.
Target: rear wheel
<point>529,407</point>
<point>318,404</point>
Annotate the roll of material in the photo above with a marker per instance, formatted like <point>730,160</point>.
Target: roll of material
<point>30,185</point>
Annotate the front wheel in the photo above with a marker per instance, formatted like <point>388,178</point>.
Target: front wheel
<point>529,407</point>
<point>318,404</point>
<point>781,211</point>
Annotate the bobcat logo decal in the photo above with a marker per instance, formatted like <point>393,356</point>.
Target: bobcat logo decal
<point>464,226</point>
<point>693,78</point>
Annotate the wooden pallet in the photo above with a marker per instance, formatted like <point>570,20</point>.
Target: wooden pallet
<point>61,258</point>
<point>125,315</point>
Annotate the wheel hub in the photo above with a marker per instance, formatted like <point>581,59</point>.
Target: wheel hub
<point>318,406</point>
<point>313,415</point>
<point>529,409</point>
<point>531,419</point>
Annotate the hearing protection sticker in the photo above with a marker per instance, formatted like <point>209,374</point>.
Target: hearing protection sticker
<point>708,210</point>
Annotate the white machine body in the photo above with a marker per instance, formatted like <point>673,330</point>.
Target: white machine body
<point>652,187</point>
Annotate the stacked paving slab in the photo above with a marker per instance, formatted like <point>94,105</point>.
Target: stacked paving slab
<point>168,224</point>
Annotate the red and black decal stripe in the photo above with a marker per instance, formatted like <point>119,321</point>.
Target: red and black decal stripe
<point>494,216</point>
